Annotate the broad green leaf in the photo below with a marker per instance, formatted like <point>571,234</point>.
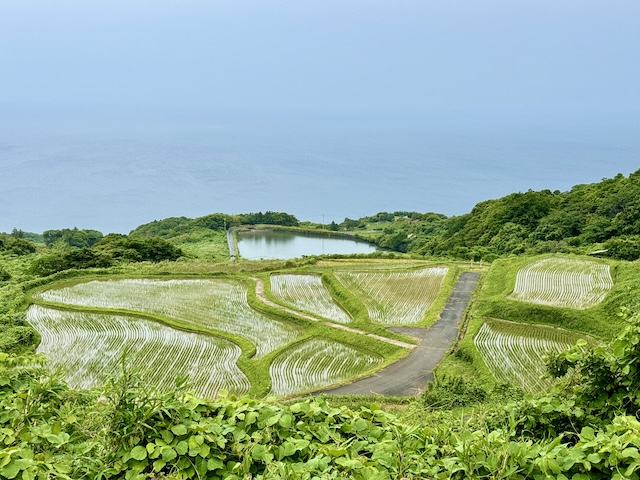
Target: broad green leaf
<point>10,471</point>
<point>214,464</point>
<point>630,453</point>
<point>619,347</point>
<point>167,436</point>
<point>587,433</point>
<point>139,452</point>
<point>349,463</point>
<point>179,429</point>
<point>182,447</point>
<point>259,452</point>
<point>158,465</point>
<point>168,454</point>
<point>286,421</point>
<point>594,458</point>
<point>204,450</point>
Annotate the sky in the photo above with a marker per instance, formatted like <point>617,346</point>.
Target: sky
<point>335,57</point>
<point>558,79</point>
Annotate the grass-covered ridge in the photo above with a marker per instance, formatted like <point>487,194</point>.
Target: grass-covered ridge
<point>226,307</point>
<point>468,424</point>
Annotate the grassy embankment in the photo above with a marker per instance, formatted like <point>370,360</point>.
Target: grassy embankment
<point>255,369</point>
<point>491,300</point>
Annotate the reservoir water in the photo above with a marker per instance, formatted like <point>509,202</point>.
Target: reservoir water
<point>285,245</point>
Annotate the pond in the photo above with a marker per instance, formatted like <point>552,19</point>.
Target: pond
<point>267,244</point>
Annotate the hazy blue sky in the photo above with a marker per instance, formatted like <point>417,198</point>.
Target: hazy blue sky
<point>114,113</point>
<point>415,57</point>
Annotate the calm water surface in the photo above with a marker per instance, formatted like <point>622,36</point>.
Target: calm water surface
<point>114,177</point>
<point>285,245</point>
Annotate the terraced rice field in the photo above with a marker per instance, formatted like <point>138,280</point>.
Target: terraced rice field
<point>563,282</point>
<point>515,353</point>
<point>316,363</point>
<point>395,297</point>
<point>88,348</point>
<point>212,304</point>
<point>307,293</point>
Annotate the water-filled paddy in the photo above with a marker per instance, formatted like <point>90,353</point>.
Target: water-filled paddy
<point>263,244</point>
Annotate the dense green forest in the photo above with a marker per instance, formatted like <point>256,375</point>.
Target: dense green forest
<point>598,216</point>
<point>585,427</point>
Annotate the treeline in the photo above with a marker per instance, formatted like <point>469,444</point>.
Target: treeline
<point>176,226</point>
<point>15,243</point>
<point>104,252</point>
<point>603,215</point>
<point>86,248</point>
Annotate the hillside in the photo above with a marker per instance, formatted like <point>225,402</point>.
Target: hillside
<point>191,353</point>
<point>598,216</point>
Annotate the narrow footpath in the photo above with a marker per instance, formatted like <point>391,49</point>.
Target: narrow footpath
<point>232,245</point>
<point>409,375</point>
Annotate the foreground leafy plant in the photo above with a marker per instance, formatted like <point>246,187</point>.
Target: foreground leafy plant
<point>129,431</point>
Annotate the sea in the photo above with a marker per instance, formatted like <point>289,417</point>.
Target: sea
<point>113,175</point>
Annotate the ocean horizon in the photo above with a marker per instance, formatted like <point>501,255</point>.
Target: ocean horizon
<point>113,176</point>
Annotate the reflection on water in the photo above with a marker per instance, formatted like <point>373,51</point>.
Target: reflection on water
<point>283,245</point>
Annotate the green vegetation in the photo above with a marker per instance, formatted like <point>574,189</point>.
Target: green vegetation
<point>396,297</point>
<point>598,216</point>
<point>125,430</point>
<point>516,353</point>
<point>308,294</point>
<point>178,226</point>
<point>169,278</point>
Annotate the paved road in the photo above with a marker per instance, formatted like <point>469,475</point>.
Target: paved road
<point>409,375</point>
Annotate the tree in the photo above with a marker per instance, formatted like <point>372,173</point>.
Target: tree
<point>153,249</point>
<point>72,237</point>
<point>77,258</point>
<point>623,248</point>
<point>18,246</point>
<point>4,275</point>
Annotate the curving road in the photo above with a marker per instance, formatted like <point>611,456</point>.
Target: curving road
<point>409,375</point>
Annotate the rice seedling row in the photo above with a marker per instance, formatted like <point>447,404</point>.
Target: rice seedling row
<point>395,297</point>
<point>563,282</point>
<point>306,292</point>
<point>316,363</point>
<point>88,347</point>
<point>212,304</point>
<point>516,353</point>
